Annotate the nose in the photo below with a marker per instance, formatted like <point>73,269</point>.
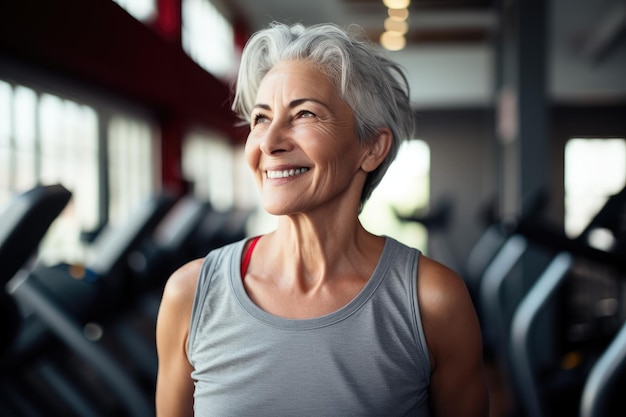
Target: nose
<point>276,139</point>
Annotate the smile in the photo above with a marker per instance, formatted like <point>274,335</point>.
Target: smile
<point>286,173</point>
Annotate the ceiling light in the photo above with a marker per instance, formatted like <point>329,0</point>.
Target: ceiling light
<point>392,41</point>
<point>399,26</point>
<point>397,4</point>
<point>399,14</point>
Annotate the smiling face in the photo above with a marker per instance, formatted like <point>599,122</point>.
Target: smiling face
<point>302,147</point>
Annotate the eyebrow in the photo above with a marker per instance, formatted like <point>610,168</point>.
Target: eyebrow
<point>292,104</point>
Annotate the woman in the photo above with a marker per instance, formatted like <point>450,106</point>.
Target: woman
<point>319,317</point>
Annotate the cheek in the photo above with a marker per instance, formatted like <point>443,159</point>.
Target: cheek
<point>341,148</point>
<point>251,153</point>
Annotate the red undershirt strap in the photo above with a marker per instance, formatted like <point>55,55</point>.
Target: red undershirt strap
<point>246,258</point>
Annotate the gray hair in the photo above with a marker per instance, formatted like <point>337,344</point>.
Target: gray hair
<point>370,83</point>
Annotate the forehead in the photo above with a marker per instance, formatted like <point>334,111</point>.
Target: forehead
<point>294,78</point>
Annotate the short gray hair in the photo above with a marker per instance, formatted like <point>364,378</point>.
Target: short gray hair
<point>370,83</point>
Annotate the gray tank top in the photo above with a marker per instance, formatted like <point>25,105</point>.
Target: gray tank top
<point>368,358</point>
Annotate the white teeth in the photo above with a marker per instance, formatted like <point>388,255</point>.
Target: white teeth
<point>286,173</point>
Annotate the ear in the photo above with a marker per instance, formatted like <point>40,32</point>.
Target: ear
<point>376,149</point>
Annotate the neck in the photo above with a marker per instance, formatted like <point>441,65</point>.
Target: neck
<point>313,252</point>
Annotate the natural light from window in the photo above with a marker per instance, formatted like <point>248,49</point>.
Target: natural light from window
<point>133,155</point>
<point>208,38</point>
<point>207,162</point>
<point>143,10</point>
<point>405,190</point>
<point>595,169</point>
<point>46,139</point>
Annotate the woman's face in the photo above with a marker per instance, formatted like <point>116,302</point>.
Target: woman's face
<point>302,147</point>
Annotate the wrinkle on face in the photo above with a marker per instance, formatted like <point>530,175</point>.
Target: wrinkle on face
<point>300,118</point>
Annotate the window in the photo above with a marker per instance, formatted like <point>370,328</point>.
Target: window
<point>6,142</point>
<point>404,190</point>
<point>143,10</point>
<point>48,139</point>
<point>208,38</point>
<point>68,154</point>
<point>595,169</point>
<point>45,139</point>
<point>133,155</point>
<point>208,164</point>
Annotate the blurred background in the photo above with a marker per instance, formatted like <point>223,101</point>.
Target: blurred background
<point>120,160</point>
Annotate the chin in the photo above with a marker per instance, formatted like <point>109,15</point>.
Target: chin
<point>276,211</point>
<point>276,208</point>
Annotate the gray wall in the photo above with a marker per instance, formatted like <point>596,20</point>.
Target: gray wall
<point>463,169</point>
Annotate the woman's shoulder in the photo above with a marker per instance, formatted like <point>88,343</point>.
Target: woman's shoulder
<point>440,287</point>
<point>181,285</point>
<point>446,308</point>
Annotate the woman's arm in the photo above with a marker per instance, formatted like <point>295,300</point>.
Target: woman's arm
<point>458,386</point>
<point>174,389</point>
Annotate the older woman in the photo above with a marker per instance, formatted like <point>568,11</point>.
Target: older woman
<point>319,317</point>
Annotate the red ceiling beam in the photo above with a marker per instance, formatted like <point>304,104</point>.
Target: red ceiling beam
<point>97,43</point>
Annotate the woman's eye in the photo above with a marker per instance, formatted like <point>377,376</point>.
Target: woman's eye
<point>305,113</point>
<point>259,118</point>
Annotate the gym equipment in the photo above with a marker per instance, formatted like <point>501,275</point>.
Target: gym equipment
<point>23,224</point>
<point>493,238</point>
<point>606,378</point>
<point>506,280</point>
<point>100,289</point>
<point>524,318</point>
<point>548,336</point>
<point>63,301</point>
<point>546,383</point>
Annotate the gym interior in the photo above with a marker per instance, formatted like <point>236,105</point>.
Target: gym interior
<point>120,160</point>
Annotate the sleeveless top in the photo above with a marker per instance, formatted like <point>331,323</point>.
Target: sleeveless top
<point>369,358</point>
